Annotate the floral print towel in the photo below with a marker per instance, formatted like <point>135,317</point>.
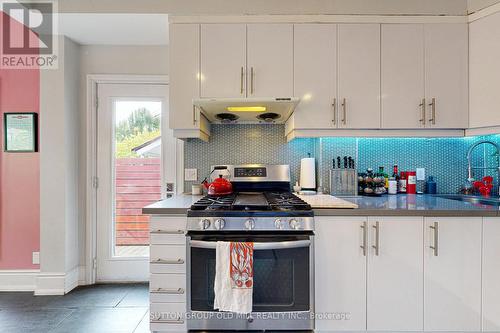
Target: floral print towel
<point>241,267</point>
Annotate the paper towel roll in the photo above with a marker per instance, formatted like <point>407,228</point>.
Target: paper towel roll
<point>308,173</point>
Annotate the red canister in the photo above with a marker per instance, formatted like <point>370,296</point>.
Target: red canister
<point>411,187</point>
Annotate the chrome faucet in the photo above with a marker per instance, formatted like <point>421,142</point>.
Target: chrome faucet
<point>469,161</point>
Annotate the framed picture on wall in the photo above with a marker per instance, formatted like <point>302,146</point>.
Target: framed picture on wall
<point>20,132</point>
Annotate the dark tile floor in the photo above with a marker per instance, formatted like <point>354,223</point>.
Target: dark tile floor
<point>106,308</point>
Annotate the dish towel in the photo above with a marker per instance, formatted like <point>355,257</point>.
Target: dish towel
<point>233,285</point>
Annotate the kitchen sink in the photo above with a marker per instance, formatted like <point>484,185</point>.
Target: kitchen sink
<point>472,199</point>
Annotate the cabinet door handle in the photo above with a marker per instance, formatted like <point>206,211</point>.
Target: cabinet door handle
<point>241,81</point>
<point>435,245</point>
<point>173,291</point>
<point>334,105</point>
<point>422,110</point>
<point>344,112</point>
<point>170,232</point>
<point>364,229</point>
<point>377,238</point>
<point>251,80</point>
<point>194,115</point>
<point>168,261</point>
<point>432,120</point>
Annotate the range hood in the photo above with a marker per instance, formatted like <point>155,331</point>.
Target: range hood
<point>247,110</point>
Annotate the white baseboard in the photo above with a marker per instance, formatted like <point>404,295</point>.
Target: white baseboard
<point>82,276</point>
<point>18,280</point>
<point>56,283</point>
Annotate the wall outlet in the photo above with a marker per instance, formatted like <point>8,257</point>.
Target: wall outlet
<point>190,174</point>
<point>420,173</point>
<point>36,258</point>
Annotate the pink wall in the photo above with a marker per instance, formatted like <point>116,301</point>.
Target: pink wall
<point>19,175</point>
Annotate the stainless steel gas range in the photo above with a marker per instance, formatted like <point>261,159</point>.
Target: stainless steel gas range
<point>264,211</point>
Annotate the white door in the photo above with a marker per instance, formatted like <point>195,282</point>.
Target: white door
<point>446,86</point>
<point>395,274</point>
<point>133,143</point>
<point>452,269</point>
<point>270,60</point>
<point>315,75</point>
<point>340,273</point>
<point>223,60</point>
<point>402,89</point>
<point>491,274</point>
<point>359,75</point>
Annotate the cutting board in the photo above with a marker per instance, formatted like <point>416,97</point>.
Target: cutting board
<point>326,201</point>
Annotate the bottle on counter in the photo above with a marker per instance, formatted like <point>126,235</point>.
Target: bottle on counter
<point>395,173</point>
<point>402,182</point>
<point>384,175</point>
<point>430,186</point>
<point>393,186</point>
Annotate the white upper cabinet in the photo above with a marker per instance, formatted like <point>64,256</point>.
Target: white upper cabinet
<point>402,76</point>
<point>315,75</point>
<point>184,81</point>
<point>359,75</point>
<point>223,60</point>
<point>341,272</point>
<point>452,266</point>
<point>395,274</point>
<point>491,274</point>
<point>446,79</point>
<point>484,71</point>
<point>270,60</point>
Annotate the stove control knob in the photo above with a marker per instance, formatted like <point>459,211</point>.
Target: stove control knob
<point>250,224</point>
<point>204,224</point>
<point>279,224</point>
<point>294,224</point>
<point>219,224</point>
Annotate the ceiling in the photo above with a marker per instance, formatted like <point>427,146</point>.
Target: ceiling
<point>115,29</point>
<point>145,22</point>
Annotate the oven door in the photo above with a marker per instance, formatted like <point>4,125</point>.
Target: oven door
<point>283,282</point>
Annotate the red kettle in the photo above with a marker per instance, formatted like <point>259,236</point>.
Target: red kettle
<point>220,186</point>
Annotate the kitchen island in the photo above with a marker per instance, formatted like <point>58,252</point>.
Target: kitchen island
<point>393,264</point>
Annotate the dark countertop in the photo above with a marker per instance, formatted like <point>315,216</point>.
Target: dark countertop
<point>410,205</point>
<point>386,205</point>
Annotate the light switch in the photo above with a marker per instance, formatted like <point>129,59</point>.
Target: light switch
<point>420,173</point>
<point>190,174</point>
<point>36,258</point>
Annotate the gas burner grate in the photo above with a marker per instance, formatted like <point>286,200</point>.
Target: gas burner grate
<point>286,201</point>
<point>214,203</point>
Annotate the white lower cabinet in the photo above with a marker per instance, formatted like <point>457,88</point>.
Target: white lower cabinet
<point>395,286</point>
<point>167,284</point>
<point>340,274</point>
<point>452,266</point>
<point>491,274</point>
<point>369,273</point>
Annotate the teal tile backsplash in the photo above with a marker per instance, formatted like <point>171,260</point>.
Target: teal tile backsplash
<point>443,158</point>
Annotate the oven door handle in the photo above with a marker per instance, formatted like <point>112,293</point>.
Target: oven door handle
<point>257,246</point>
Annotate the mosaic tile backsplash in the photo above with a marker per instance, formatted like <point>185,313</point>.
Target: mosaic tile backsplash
<point>443,158</point>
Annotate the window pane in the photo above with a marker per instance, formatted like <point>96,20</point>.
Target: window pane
<point>137,173</point>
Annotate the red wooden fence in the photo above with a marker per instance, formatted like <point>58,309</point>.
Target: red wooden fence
<point>138,183</point>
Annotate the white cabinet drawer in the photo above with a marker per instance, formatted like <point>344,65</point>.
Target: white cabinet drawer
<point>167,237</point>
<point>168,317</point>
<point>168,259</point>
<point>175,222</point>
<point>167,288</point>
